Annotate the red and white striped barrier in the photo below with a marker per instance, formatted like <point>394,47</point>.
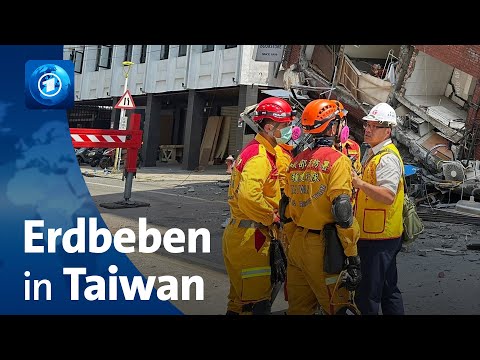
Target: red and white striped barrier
<point>98,138</point>
<point>130,139</point>
<point>106,138</point>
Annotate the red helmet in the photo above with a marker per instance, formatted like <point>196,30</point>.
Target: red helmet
<point>275,109</point>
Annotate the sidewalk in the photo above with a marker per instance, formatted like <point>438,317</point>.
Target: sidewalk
<point>164,172</point>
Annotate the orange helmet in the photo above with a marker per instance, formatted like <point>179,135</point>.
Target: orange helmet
<point>275,109</point>
<point>318,114</point>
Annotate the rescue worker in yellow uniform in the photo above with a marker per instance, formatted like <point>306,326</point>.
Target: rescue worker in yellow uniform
<point>319,188</point>
<point>253,197</point>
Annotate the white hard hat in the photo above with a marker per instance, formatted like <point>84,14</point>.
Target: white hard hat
<point>383,113</point>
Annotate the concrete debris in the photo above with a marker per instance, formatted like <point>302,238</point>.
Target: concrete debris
<point>473,246</point>
<point>445,250</point>
<point>191,189</point>
<point>225,223</point>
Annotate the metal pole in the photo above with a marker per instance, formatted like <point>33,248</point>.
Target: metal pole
<point>118,151</point>
<point>128,186</point>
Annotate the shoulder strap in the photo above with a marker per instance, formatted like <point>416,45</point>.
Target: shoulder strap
<point>401,162</point>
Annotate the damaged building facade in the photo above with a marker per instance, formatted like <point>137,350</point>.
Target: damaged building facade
<point>435,90</point>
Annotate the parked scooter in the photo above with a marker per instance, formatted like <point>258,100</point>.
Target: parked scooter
<point>81,155</point>
<point>108,158</point>
<point>95,155</point>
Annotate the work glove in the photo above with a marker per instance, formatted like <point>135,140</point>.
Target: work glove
<point>278,262</point>
<point>353,274</point>
<point>282,206</point>
<point>276,219</point>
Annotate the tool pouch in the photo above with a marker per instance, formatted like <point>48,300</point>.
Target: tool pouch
<point>334,257</point>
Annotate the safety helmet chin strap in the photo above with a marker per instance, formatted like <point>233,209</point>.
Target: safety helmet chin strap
<point>328,140</point>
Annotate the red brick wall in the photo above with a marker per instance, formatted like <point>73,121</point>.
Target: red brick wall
<point>294,55</point>
<point>322,58</point>
<point>463,57</point>
<point>477,153</point>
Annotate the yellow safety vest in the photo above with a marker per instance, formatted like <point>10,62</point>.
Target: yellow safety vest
<point>254,191</point>
<point>379,221</point>
<point>314,179</point>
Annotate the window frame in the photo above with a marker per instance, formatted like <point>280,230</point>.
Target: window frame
<point>183,53</point>
<point>208,48</point>
<point>164,52</point>
<point>128,53</point>
<point>101,49</point>
<point>77,58</point>
<point>143,54</point>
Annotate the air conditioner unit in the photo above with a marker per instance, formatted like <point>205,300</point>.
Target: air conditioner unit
<point>453,170</point>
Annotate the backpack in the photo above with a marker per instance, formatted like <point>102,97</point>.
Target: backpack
<point>412,224</point>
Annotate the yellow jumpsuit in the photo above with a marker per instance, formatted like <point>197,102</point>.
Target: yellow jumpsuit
<point>284,158</point>
<point>253,197</point>
<point>315,178</point>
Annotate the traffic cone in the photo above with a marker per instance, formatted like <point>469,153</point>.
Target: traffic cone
<point>229,161</point>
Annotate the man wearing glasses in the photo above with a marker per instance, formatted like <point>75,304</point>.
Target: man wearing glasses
<point>379,206</point>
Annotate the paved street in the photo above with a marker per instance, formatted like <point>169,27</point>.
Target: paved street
<point>433,282</point>
<point>178,199</point>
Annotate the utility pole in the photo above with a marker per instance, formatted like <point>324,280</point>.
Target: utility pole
<point>123,118</point>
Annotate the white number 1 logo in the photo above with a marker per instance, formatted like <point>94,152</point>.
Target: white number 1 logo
<point>49,84</point>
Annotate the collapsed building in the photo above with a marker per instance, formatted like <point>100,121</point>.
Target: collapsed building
<point>435,90</point>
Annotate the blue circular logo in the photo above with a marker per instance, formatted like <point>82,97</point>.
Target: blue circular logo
<point>49,84</point>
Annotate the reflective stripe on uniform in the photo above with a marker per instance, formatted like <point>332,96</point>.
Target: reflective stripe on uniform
<point>331,280</point>
<point>256,271</point>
